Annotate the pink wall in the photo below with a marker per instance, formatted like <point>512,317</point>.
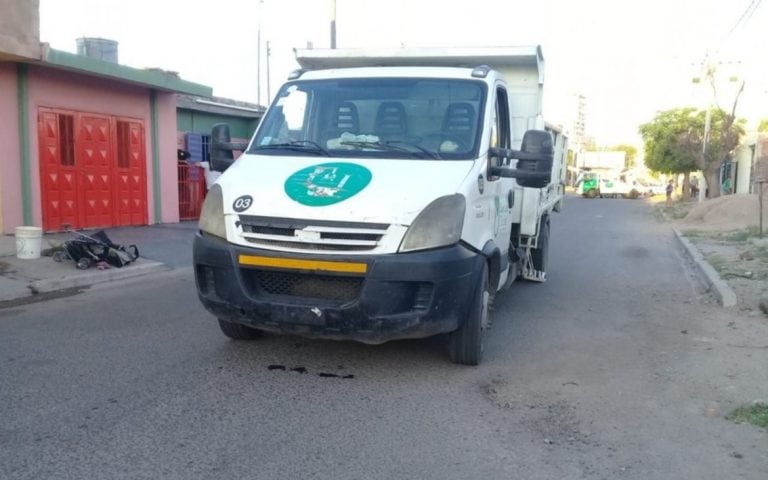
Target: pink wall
<point>58,89</point>
<point>10,156</point>
<point>169,174</point>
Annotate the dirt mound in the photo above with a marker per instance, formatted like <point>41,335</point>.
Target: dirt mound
<point>729,212</point>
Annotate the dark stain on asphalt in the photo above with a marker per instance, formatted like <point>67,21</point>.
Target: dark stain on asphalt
<point>303,370</point>
<point>333,375</point>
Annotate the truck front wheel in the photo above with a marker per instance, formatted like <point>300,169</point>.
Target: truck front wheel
<point>465,345</point>
<point>236,331</point>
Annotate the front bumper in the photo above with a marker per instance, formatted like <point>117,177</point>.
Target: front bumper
<point>407,295</point>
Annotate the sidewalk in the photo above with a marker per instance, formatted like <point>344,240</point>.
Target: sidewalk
<point>161,248</point>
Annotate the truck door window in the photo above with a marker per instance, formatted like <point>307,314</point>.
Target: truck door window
<point>501,120</point>
<point>499,126</point>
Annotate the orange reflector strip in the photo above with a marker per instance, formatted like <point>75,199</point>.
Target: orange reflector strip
<point>297,264</point>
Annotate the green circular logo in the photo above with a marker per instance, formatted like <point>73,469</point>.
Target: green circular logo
<point>327,183</point>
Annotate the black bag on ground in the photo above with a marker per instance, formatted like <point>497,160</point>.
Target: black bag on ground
<point>99,248</point>
<point>114,254</point>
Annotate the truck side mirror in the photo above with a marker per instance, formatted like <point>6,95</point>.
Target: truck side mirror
<point>221,156</point>
<point>534,160</point>
<point>222,146</point>
<point>537,157</point>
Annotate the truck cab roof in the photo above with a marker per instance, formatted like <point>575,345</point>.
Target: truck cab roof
<point>466,57</point>
<point>393,72</point>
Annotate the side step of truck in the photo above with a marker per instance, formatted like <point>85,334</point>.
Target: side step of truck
<point>529,272</point>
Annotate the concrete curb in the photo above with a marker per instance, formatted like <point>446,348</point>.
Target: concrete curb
<point>79,279</point>
<point>717,285</point>
<point>86,279</point>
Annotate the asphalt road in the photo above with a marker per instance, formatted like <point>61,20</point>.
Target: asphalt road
<point>617,367</point>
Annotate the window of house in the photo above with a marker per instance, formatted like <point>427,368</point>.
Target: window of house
<point>123,144</point>
<point>67,139</point>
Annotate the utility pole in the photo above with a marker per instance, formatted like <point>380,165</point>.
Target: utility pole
<point>258,56</point>
<point>269,52</point>
<point>333,23</point>
<point>708,67</point>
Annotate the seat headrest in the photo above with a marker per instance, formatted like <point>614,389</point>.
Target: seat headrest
<point>391,119</point>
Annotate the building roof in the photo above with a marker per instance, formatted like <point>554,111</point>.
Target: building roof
<point>151,78</point>
<point>219,105</point>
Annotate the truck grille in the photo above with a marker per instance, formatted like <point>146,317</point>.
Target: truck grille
<point>311,234</point>
<point>309,286</point>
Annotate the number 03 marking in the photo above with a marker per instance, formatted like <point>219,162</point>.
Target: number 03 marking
<point>242,203</point>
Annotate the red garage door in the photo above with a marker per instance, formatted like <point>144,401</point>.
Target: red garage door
<point>92,170</point>
<point>130,174</point>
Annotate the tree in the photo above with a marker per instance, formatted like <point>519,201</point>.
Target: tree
<point>664,139</point>
<point>714,146</point>
<point>724,136</point>
<point>674,143</point>
<point>763,125</point>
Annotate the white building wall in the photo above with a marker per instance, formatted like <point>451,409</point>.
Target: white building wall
<point>743,158</point>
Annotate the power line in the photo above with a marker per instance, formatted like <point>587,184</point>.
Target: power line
<point>744,18</point>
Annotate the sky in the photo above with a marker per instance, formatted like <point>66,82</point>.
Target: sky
<point>629,58</point>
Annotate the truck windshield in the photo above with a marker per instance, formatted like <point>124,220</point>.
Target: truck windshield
<point>425,118</point>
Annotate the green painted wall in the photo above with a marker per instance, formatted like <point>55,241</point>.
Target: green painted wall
<point>202,122</point>
<point>26,171</point>
<point>156,185</point>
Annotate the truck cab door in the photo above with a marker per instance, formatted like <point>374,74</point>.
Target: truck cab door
<point>499,190</point>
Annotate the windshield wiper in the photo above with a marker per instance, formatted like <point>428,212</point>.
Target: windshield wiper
<point>298,145</point>
<point>390,146</point>
<point>430,153</point>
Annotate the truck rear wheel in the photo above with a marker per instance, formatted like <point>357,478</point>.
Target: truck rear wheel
<point>540,254</point>
<point>465,345</point>
<point>236,331</point>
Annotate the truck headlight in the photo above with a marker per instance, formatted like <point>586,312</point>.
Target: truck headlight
<point>212,213</point>
<point>438,225</point>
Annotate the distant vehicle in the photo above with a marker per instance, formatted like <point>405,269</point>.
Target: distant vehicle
<point>617,188</point>
<point>588,184</point>
<point>654,188</point>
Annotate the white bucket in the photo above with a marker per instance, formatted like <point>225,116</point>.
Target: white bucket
<point>28,242</point>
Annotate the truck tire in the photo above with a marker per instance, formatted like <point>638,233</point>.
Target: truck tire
<point>236,331</point>
<point>465,345</point>
<point>540,255</point>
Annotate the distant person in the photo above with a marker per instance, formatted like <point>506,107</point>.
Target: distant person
<point>694,187</point>
<point>727,186</point>
<point>669,190</point>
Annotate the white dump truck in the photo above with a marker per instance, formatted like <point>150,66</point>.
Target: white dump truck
<point>385,195</point>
